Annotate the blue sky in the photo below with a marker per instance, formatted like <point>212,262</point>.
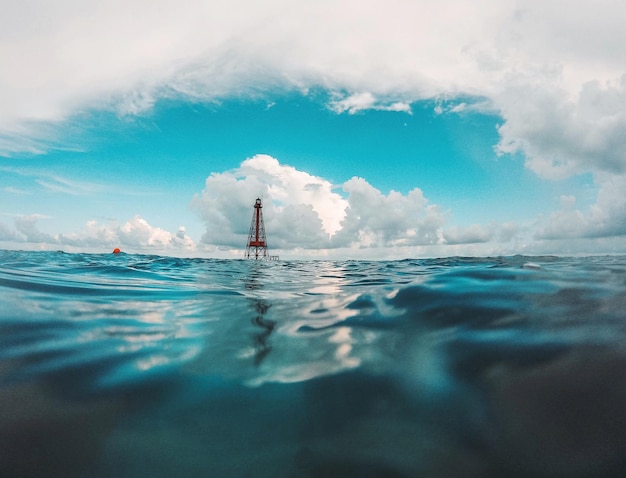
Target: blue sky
<point>407,129</point>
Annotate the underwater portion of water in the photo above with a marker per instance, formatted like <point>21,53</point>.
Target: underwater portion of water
<point>134,365</point>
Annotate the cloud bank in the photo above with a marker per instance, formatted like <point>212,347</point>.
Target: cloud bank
<point>311,216</point>
<point>135,235</point>
<point>307,216</point>
<point>303,212</point>
<point>553,70</point>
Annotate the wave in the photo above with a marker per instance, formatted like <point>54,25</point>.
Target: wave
<point>143,364</point>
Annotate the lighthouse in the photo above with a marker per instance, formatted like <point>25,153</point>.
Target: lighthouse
<point>257,243</point>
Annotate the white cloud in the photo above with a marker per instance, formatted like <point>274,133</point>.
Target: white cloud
<point>555,71</point>
<point>136,232</point>
<point>15,136</point>
<point>605,218</point>
<point>377,220</point>
<point>567,222</point>
<point>13,190</point>
<point>135,235</point>
<point>365,101</point>
<point>54,182</point>
<point>561,136</point>
<point>299,210</point>
<point>68,56</point>
<point>303,212</point>
<point>296,206</point>
<point>100,234</point>
<point>473,234</point>
<point>508,231</point>
<point>61,185</point>
<point>27,227</point>
<point>6,234</point>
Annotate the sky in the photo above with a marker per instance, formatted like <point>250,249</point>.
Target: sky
<point>370,129</point>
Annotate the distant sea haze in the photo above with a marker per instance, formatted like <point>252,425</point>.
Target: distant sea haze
<point>136,365</point>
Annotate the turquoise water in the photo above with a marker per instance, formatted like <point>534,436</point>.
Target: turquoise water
<point>134,365</point>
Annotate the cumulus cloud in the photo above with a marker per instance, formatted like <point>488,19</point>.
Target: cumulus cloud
<point>377,220</point>
<point>497,236</point>
<point>6,234</point>
<point>562,136</point>
<point>304,211</point>
<point>136,235</point>
<point>287,185</point>
<point>27,227</point>
<point>508,231</point>
<point>605,218</point>
<point>300,210</point>
<point>476,233</point>
<point>372,223</point>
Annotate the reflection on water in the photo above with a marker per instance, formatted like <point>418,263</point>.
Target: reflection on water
<point>261,340</point>
<point>254,282</point>
<point>254,279</point>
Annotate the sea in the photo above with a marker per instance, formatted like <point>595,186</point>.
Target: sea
<point>124,365</point>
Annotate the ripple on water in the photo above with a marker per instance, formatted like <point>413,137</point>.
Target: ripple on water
<point>431,367</point>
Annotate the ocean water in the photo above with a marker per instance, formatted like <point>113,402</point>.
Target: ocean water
<point>136,365</point>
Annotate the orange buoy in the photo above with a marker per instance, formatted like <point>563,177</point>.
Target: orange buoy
<point>116,250</point>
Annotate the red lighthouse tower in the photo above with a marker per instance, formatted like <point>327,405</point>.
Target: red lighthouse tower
<point>257,243</point>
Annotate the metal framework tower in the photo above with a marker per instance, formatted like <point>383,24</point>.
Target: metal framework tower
<point>257,243</point>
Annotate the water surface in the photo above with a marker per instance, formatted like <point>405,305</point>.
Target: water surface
<point>134,365</point>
